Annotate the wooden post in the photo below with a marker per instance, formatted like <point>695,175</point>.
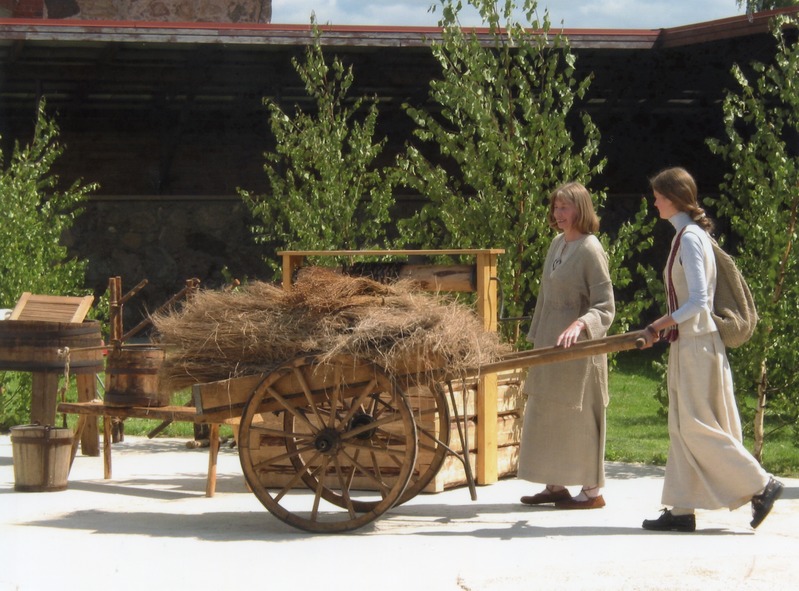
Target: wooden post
<point>213,454</point>
<point>291,262</point>
<point>44,397</point>
<point>107,447</point>
<point>486,406</point>
<point>76,438</point>
<point>115,311</point>
<point>87,391</point>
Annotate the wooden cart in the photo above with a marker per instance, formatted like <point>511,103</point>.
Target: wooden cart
<point>348,431</point>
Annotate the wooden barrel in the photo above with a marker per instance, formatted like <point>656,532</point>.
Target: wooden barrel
<point>41,457</point>
<point>131,377</point>
<point>38,346</point>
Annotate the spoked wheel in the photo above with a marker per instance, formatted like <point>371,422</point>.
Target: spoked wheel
<point>431,416</point>
<point>342,428</point>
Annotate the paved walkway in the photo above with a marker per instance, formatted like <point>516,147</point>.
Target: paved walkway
<point>151,527</point>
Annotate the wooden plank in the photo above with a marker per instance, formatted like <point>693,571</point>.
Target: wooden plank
<point>509,397</point>
<point>225,396</point>
<point>228,397</point>
<point>50,308</point>
<point>162,413</point>
<point>453,475</point>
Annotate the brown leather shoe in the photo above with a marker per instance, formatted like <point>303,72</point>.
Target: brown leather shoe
<point>547,496</point>
<point>591,503</point>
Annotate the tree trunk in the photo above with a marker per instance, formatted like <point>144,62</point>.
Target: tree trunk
<point>760,413</point>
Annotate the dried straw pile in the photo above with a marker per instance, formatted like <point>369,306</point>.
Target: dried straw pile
<point>218,335</point>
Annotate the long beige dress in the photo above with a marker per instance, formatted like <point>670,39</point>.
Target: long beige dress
<point>708,466</point>
<point>563,434</point>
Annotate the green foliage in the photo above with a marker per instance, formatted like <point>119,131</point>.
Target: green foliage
<point>760,199</point>
<point>326,190</point>
<point>35,214</point>
<point>498,142</point>
<point>637,430</point>
<point>760,5</point>
<point>636,285</point>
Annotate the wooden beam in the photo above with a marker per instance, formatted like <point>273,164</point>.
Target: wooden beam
<point>487,309</point>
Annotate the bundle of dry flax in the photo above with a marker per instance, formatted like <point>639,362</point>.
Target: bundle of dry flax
<point>254,329</point>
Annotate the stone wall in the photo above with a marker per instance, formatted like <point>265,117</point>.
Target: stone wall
<point>220,11</point>
<point>165,241</point>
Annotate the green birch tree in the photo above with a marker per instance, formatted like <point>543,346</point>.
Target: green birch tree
<point>760,198</point>
<point>36,213</point>
<point>497,141</point>
<point>327,192</point>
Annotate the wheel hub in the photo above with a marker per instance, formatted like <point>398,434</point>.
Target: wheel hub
<point>327,441</point>
<point>359,420</point>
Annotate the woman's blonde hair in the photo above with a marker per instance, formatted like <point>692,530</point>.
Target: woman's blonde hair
<point>575,193</point>
<point>678,186</point>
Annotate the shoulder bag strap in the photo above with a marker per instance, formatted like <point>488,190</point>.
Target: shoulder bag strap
<point>671,334</point>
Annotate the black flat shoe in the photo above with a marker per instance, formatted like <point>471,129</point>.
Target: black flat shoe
<point>669,522</point>
<point>762,503</point>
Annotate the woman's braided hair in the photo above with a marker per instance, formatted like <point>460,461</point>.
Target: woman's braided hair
<point>679,187</point>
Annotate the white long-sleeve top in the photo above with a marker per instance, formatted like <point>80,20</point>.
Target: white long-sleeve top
<point>692,256</point>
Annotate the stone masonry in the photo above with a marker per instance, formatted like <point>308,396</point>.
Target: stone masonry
<point>220,11</point>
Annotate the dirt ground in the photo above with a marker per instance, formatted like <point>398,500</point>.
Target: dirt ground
<point>151,526</point>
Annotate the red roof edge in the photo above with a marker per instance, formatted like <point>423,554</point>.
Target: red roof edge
<point>736,26</point>
<point>214,26</point>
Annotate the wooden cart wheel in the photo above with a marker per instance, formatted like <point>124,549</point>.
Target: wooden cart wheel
<point>432,417</point>
<point>351,439</point>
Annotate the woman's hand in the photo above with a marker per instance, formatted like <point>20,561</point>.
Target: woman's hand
<point>650,335</point>
<point>570,336</point>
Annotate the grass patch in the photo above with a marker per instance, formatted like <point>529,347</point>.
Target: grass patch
<point>637,430</point>
<point>637,426</point>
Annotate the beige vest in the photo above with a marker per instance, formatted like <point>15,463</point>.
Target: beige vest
<point>703,322</point>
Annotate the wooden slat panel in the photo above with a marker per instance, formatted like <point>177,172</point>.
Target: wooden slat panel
<point>225,395</point>
<point>50,308</point>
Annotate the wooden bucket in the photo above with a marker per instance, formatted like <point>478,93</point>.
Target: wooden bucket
<point>37,346</point>
<point>131,377</point>
<point>41,457</point>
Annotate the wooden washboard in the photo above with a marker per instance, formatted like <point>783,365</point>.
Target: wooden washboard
<point>51,308</point>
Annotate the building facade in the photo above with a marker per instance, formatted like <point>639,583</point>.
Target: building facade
<point>169,119</point>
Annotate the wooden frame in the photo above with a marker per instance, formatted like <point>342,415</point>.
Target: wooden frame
<point>50,308</point>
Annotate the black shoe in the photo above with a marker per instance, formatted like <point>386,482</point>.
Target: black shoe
<point>669,522</point>
<point>762,503</point>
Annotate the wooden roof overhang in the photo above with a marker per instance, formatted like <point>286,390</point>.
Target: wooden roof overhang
<point>134,61</point>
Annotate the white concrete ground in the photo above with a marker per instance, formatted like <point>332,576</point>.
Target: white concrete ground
<point>151,527</point>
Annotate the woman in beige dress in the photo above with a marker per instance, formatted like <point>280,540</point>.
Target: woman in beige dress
<point>563,436</point>
<point>708,467</point>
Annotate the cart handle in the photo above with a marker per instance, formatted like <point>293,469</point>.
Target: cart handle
<point>523,359</point>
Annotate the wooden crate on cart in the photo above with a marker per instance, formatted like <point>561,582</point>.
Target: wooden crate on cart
<point>510,413</point>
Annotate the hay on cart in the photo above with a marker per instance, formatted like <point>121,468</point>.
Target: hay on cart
<point>255,328</point>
